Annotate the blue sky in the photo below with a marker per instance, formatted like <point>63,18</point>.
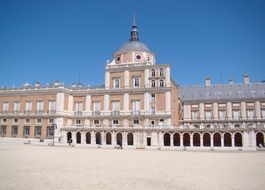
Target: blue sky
<point>48,40</point>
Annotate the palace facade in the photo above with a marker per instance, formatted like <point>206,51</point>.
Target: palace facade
<point>139,106</point>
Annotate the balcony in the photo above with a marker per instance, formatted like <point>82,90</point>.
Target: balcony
<point>115,113</point>
<point>96,113</point>
<point>39,112</point>
<point>78,113</point>
<point>136,112</point>
<point>51,111</point>
<point>5,112</point>
<point>16,112</point>
<point>28,112</point>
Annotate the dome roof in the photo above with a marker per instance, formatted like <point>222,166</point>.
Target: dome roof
<point>132,46</point>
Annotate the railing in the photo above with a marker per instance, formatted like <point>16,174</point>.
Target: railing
<point>39,112</point>
<point>78,113</point>
<point>5,112</point>
<point>51,111</point>
<point>115,113</point>
<point>16,112</point>
<point>27,112</point>
<point>136,112</point>
<point>96,113</point>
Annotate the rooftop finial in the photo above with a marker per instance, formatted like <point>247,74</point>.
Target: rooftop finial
<point>134,31</point>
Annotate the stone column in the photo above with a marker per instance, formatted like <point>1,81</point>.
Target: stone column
<point>211,136</point>
<point>215,111</point>
<point>146,102</point>
<point>257,110</point>
<point>233,140</point>
<point>88,103</point>
<point>168,82</point>
<point>93,137</point>
<point>126,102</point>
<point>126,79</point>
<point>181,140</point>
<point>146,78</point>
<point>124,139</point>
<point>74,137</point>
<point>191,140</point>
<point>229,110</point>
<point>168,101</point>
<point>201,111</point>
<point>171,140</point>
<point>60,103</point>
<point>113,139</point>
<point>201,140</point>
<point>103,138</point>
<point>107,80</point>
<point>243,110</point>
<point>106,103</point>
<point>83,137</point>
<point>222,140</point>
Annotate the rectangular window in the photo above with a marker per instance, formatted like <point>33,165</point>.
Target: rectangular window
<point>26,131</point>
<point>250,114</point>
<point>236,114</point>
<point>136,122</point>
<point>116,83</point>
<point>135,107</point>
<point>5,107</point>
<point>115,122</point>
<point>263,113</point>
<point>37,131</point>
<point>38,120</point>
<point>51,121</point>
<point>79,106</point>
<point>194,115</point>
<point>49,132</point>
<point>27,120</point>
<point>52,106</point>
<point>115,105</point>
<point>3,130</point>
<point>40,106</point>
<point>96,122</point>
<point>28,106</point>
<point>153,110</point>
<point>96,106</point>
<point>208,115</point>
<point>15,120</point>
<point>136,82</point>
<point>153,97</point>
<point>222,114</point>
<point>4,120</point>
<point>16,107</point>
<point>78,122</point>
<point>14,130</point>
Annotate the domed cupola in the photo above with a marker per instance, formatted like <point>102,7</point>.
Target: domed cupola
<point>134,51</point>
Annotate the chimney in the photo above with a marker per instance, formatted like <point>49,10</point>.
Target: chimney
<point>245,79</point>
<point>207,81</point>
<point>231,81</point>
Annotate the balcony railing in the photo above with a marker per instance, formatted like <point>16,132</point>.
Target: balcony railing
<point>16,112</point>
<point>28,112</point>
<point>96,113</point>
<point>39,112</point>
<point>115,113</point>
<point>78,113</point>
<point>136,112</point>
<point>51,111</point>
<point>5,112</point>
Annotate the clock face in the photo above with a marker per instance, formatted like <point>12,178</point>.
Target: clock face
<point>138,57</point>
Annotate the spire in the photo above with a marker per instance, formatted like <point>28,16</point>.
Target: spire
<point>134,31</point>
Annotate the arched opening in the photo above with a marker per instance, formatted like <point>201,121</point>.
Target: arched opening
<point>161,83</point>
<point>161,72</point>
<point>130,139</point>
<point>69,136</point>
<point>119,139</point>
<point>196,139</point>
<point>260,139</point>
<point>98,138</point>
<point>166,139</point>
<point>108,138</point>
<point>78,138</point>
<point>153,73</point>
<point>186,139</point>
<point>227,139</point>
<point>176,139</point>
<point>217,139</point>
<point>238,139</point>
<point>206,139</point>
<point>153,83</point>
<point>88,138</point>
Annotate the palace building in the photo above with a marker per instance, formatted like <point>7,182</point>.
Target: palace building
<point>139,106</point>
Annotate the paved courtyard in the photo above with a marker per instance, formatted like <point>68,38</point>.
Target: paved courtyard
<point>44,167</point>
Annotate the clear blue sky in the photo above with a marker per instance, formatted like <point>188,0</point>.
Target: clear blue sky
<point>48,40</point>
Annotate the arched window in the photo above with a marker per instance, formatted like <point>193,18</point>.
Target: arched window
<point>161,83</point>
<point>153,73</point>
<point>153,83</point>
<point>161,72</point>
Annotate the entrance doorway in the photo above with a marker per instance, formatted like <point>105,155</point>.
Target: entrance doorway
<point>148,140</point>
